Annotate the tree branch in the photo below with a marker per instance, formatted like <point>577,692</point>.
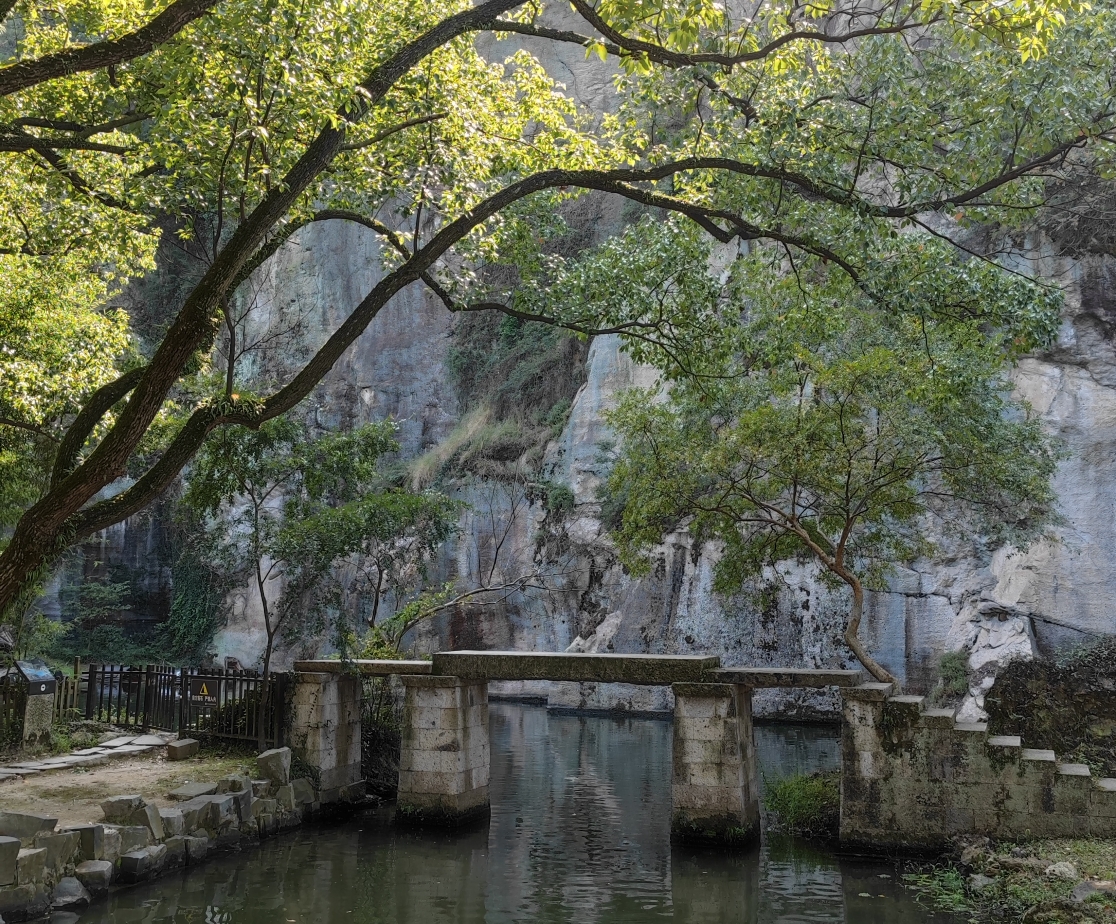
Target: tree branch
<point>163,27</point>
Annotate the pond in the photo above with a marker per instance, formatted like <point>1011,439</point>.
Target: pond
<point>579,833</point>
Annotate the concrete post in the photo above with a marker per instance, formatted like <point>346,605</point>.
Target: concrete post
<point>444,760</point>
<point>325,730</point>
<point>38,717</point>
<point>714,795</point>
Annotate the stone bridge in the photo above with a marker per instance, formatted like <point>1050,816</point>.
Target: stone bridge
<point>443,769</point>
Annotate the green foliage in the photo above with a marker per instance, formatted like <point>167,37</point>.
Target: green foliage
<point>953,670</point>
<point>559,499</point>
<point>196,608</point>
<point>808,804</point>
<point>317,514</point>
<point>108,644</point>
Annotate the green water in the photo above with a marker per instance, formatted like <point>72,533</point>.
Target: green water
<point>579,833</point>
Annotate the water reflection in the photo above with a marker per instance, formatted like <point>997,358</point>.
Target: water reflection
<point>579,833</point>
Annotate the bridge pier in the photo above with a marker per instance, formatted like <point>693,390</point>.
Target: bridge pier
<point>444,760</point>
<point>714,795</point>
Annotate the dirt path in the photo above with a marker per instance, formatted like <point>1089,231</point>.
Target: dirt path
<point>75,796</point>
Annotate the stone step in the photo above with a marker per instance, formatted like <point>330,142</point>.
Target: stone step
<point>938,718</point>
<point>1074,770</point>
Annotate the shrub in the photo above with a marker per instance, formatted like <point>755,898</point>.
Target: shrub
<point>808,804</point>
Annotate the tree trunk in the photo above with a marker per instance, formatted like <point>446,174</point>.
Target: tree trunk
<point>852,638</point>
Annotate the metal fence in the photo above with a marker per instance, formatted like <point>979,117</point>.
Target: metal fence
<point>193,702</point>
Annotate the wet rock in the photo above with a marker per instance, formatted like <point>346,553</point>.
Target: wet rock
<point>303,791</point>
<point>71,894</point>
<point>95,875</point>
<point>176,850</point>
<point>979,882</point>
<point>275,765</point>
<point>196,848</point>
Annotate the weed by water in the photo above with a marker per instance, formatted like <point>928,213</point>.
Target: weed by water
<point>808,805</point>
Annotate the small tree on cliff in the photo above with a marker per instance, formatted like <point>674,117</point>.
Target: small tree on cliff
<point>840,434</point>
<point>312,524</point>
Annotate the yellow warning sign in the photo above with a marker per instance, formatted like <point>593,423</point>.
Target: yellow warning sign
<point>203,691</point>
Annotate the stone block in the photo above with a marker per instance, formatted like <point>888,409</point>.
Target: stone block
<point>95,875</point>
<point>275,765</point>
<point>110,840</point>
<point>91,841</point>
<point>134,865</point>
<point>133,837</point>
<point>483,666</point>
<point>176,850</point>
<point>148,816</point>
<point>1102,801</point>
<point>268,824</point>
<point>182,749</point>
<point>242,801</point>
<point>9,854</point>
<point>25,825</point>
<point>25,902</point>
<point>303,791</point>
<point>192,791</point>
<point>70,895</point>
<point>264,807</point>
<point>119,809</point>
<point>285,797</point>
<point>354,792</point>
<point>31,865</point>
<point>261,789</point>
<point>234,782</point>
<point>173,821</point>
<point>60,848</point>
<point>868,692</point>
<point>230,837</point>
<point>196,848</point>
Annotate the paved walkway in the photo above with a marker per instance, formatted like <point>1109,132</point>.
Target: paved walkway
<point>124,746</point>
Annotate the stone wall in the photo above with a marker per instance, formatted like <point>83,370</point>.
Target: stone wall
<point>45,868</point>
<point>913,777</point>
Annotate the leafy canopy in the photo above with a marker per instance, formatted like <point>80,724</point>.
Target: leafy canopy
<point>835,132</point>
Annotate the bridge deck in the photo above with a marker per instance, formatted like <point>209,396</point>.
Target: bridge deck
<point>366,668</point>
<point>787,677</point>
<point>648,670</point>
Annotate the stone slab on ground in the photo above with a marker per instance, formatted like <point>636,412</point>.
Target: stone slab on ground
<point>651,670</point>
<point>182,748</point>
<point>153,741</point>
<point>117,742</point>
<point>768,677</point>
<point>191,791</point>
<point>132,749</point>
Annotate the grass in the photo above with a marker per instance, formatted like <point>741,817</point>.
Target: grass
<point>808,805</point>
<point>1022,895</point>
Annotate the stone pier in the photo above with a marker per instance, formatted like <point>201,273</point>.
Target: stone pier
<point>325,730</point>
<point>444,761</point>
<point>714,796</point>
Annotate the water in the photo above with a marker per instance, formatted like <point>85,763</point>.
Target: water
<point>579,833</point>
